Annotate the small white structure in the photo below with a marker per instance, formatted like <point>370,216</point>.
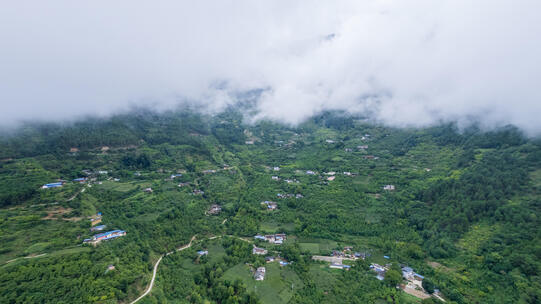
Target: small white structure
<point>388,187</point>
<point>276,168</point>
<point>340,266</point>
<point>270,205</point>
<point>260,274</point>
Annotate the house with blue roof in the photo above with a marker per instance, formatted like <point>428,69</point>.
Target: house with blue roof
<point>105,236</point>
<point>52,185</point>
<point>340,266</point>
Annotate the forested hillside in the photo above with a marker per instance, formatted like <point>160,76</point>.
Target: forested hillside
<point>460,207</point>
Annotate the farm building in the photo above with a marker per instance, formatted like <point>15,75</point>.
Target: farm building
<point>215,209</point>
<point>105,236</point>
<point>340,266</point>
<point>52,185</point>
<point>270,205</point>
<point>260,274</point>
<point>98,228</point>
<point>259,251</point>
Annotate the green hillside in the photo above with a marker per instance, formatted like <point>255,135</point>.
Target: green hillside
<point>464,212</point>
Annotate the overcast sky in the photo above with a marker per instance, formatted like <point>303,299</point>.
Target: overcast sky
<point>411,63</point>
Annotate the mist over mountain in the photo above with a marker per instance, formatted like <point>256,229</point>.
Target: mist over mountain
<point>402,64</point>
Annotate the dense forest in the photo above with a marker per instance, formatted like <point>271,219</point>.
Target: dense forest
<point>464,210</point>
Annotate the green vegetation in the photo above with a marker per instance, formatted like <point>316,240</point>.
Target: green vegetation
<point>465,211</point>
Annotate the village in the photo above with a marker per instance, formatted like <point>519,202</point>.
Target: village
<point>338,259</point>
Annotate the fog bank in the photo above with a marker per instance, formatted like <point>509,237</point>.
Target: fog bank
<point>411,63</point>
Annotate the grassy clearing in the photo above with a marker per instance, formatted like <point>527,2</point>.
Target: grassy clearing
<point>278,287</point>
<point>273,227</point>
<point>477,235</point>
<point>317,246</point>
<point>37,248</point>
<point>78,249</point>
<point>323,277</point>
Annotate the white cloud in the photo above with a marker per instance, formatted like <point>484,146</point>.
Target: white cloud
<point>408,63</point>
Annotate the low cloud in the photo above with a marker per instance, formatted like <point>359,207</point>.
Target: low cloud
<point>411,63</point>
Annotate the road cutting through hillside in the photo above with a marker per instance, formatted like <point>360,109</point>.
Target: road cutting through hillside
<point>149,289</point>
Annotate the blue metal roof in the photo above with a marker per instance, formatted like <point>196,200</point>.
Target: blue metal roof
<point>108,233</point>
<point>58,184</point>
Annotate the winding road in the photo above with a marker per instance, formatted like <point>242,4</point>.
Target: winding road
<point>149,289</point>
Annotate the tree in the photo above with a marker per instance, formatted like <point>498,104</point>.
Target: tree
<point>392,277</point>
<point>428,285</point>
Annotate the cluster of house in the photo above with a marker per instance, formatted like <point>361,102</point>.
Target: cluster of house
<point>96,219</point>
<point>411,276</point>
<point>281,261</point>
<point>215,209</point>
<point>270,205</point>
<point>277,238</point>
<point>348,252</point>
<point>61,183</point>
<point>337,257</point>
<point>105,236</point>
<point>259,274</point>
<point>415,280</point>
<point>388,187</point>
<point>380,270</point>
